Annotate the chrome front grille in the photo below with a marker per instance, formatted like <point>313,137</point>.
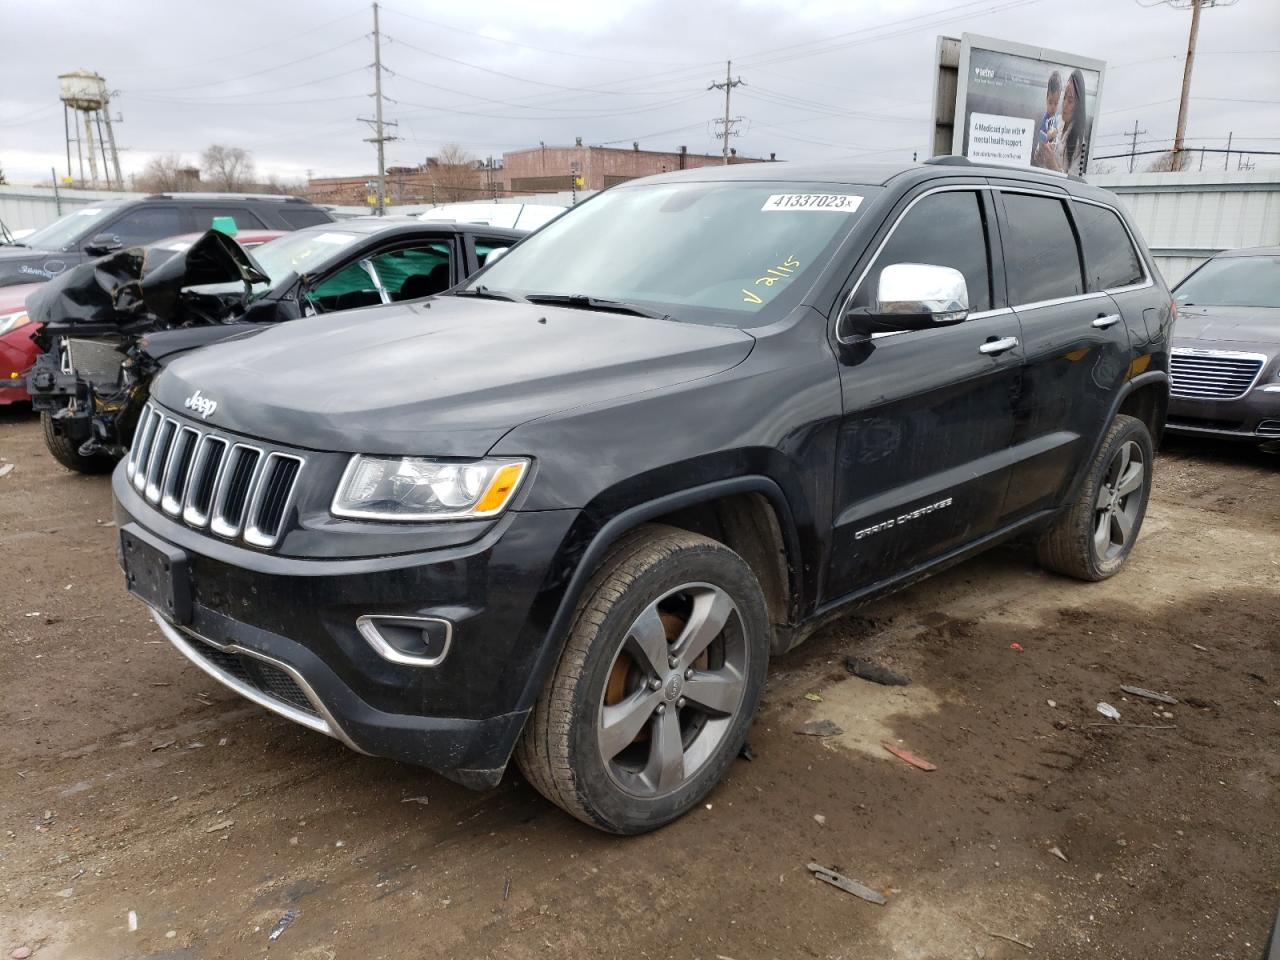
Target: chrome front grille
<point>1213,374</point>
<point>235,489</point>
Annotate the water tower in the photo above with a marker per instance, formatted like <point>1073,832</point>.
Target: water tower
<point>85,92</point>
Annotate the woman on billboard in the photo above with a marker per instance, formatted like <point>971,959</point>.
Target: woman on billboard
<point>1067,151</point>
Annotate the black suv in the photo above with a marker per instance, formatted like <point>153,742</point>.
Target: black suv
<point>111,225</point>
<point>569,509</point>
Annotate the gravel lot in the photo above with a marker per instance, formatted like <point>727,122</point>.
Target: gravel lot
<point>131,782</point>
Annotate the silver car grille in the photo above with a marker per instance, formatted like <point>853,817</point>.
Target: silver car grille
<point>234,489</point>
<point>1213,374</point>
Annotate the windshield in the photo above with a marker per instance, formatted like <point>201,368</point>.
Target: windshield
<point>727,252</point>
<point>1232,282</point>
<point>66,231</point>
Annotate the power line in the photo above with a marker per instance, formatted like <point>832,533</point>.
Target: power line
<point>255,73</point>
<point>529,46</point>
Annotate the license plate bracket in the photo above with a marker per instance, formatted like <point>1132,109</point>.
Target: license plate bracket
<point>156,572</point>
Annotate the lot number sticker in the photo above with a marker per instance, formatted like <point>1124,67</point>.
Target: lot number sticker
<point>822,202</point>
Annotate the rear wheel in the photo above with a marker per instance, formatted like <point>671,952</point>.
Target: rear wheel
<point>1091,540</point>
<point>67,451</point>
<point>657,685</point>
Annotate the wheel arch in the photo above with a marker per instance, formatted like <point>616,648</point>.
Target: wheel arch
<point>755,519</point>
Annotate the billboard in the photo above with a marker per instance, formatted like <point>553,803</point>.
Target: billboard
<point>1025,106</point>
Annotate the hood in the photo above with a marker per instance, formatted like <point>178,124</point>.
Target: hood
<point>123,290</point>
<point>14,298</point>
<point>1249,325</point>
<point>443,377</point>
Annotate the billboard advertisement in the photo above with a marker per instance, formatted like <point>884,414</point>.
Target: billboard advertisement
<point>1020,105</point>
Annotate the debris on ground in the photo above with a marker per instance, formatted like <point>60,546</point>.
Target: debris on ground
<point>1148,694</point>
<point>506,889</point>
<point>841,882</point>
<point>280,925</point>
<point>820,820</point>
<point>1108,711</point>
<point>1016,647</point>
<point>1059,854</point>
<point>875,672</point>
<point>21,953</point>
<point>133,921</point>
<point>162,745</point>
<point>820,728</point>
<point>813,698</point>
<point>908,757</point>
<point>421,800</point>
<point>220,825</point>
<point>7,469</point>
<point>746,753</point>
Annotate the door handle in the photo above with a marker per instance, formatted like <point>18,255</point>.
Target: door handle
<point>1107,320</point>
<point>998,346</point>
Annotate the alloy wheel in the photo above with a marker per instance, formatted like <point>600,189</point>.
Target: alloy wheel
<point>1118,506</point>
<point>674,688</point>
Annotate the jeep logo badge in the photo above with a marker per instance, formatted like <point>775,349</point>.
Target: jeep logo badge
<point>201,405</point>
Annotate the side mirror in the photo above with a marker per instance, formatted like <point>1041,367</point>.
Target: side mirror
<point>913,296</point>
<point>494,255</point>
<point>103,243</point>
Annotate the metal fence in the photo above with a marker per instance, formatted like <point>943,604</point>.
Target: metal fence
<point>23,208</point>
<point>1188,217</point>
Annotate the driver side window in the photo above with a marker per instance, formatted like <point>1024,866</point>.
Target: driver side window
<point>349,288</point>
<point>945,229</point>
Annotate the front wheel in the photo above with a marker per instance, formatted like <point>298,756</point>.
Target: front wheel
<point>1092,538</point>
<point>656,688</point>
<point>67,451</point>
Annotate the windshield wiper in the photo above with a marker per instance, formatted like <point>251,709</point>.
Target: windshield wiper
<point>485,293</point>
<point>581,301</point>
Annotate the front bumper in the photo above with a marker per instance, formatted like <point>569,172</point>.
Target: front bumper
<point>281,631</point>
<point>1255,416</point>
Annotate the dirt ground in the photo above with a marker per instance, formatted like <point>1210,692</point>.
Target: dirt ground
<point>129,782</point>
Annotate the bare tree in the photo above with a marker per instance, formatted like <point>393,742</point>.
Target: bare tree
<point>1170,162</point>
<point>277,184</point>
<point>168,173</point>
<point>227,168</point>
<point>3,180</point>
<point>455,174</point>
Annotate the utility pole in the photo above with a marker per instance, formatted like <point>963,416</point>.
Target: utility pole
<point>1133,148</point>
<point>1181,130</point>
<point>111,141</point>
<point>1226,164</point>
<point>727,87</point>
<point>380,136</point>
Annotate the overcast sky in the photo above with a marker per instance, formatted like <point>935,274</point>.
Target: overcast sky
<point>825,79</point>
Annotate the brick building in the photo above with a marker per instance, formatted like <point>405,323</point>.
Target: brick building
<point>540,169</point>
<point>546,169</point>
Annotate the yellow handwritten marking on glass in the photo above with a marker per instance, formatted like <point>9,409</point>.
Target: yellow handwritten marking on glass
<point>782,271</point>
<point>749,297</point>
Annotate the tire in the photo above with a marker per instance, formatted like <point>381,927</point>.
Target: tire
<point>67,452</point>
<point>1092,537</point>
<point>651,593</point>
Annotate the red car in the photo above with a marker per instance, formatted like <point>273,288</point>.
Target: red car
<point>18,352</point>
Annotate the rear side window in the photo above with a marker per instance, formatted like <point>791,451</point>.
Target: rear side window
<point>146,224</point>
<point>945,230</point>
<point>1041,259</point>
<point>243,218</point>
<point>1109,258</point>
<point>299,217</point>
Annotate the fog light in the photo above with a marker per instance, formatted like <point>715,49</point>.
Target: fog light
<point>413,641</point>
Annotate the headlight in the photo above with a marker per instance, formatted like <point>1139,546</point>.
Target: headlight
<point>12,321</point>
<point>415,488</point>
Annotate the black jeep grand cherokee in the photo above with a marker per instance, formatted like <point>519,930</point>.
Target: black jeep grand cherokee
<point>569,510</point>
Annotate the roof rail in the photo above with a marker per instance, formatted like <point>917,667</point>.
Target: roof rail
<point>952,160</point>
<point>196,195</point>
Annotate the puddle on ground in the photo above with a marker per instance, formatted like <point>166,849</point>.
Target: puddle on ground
<point>865,711</point>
